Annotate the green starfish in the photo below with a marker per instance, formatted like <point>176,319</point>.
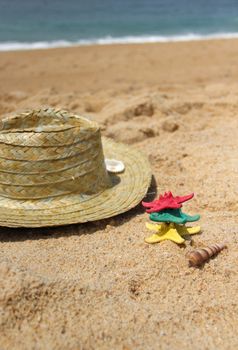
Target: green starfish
<point>173,215</point>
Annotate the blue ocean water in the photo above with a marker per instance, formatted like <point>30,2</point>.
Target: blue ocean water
<point>49,23</point>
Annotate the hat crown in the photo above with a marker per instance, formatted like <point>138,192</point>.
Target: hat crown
<point>47,153</point>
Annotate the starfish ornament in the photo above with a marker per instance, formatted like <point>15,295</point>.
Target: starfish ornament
<point>167,201</point>
<point>173,215</point>
<point>170,231</point>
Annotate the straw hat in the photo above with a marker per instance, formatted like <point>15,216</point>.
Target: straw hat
<point>53,172</point>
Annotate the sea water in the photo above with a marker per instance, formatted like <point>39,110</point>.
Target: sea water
<point>29,24</point>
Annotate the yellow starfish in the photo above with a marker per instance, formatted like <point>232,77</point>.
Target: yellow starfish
<point>172,232</point>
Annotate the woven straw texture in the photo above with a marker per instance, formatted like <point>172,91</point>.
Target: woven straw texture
<point>52,171</point>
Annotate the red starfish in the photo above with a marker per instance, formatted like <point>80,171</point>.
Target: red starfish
<point>167,201</point>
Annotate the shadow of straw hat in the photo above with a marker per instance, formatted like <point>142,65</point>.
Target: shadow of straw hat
<point>53,172</point>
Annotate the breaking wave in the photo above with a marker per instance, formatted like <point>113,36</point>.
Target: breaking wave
<point>108,40</point>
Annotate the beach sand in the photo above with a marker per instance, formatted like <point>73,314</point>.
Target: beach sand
<point>98,285</point>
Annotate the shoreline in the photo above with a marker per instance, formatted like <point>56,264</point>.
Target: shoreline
<point>10,46</point>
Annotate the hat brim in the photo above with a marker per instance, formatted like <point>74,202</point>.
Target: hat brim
<point>128,190</point>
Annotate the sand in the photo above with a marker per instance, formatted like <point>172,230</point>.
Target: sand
<point>98,285</point>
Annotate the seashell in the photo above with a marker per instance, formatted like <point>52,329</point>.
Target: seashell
<point>199,256</point>
<point>114,166</point>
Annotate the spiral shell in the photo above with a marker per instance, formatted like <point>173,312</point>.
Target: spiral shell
<point>199,256</point>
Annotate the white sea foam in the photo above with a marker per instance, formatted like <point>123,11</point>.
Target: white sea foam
<point>108,40</point>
